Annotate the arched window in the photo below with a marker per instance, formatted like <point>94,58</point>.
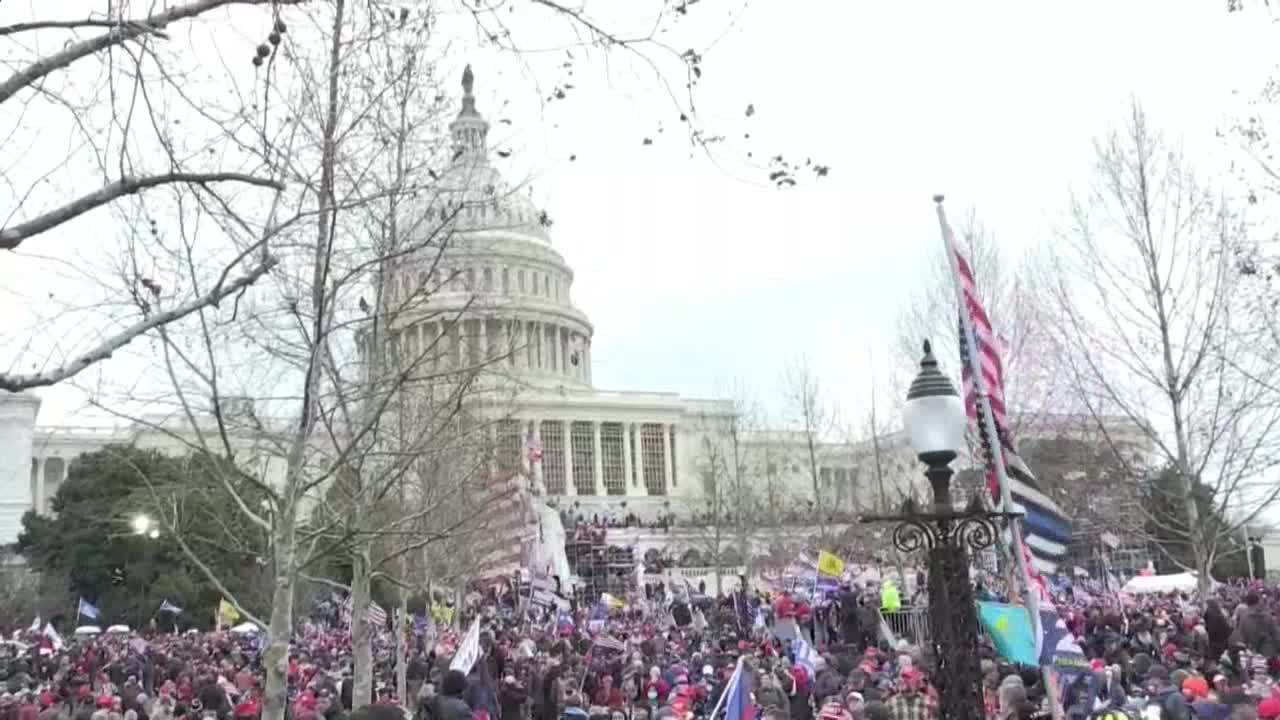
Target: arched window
<point>506,281</point>
<point>520,280</point>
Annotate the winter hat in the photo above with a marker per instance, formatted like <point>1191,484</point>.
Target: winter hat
<point>1195,687</point>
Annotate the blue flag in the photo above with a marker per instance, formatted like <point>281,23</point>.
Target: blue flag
<point>87,609</point>
<point>1009,628</point>
<point>737,695</point>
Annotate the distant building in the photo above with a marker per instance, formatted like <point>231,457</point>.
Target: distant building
<point>636,461</point>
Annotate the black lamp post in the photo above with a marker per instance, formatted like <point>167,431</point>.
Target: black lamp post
<point>935,423</point>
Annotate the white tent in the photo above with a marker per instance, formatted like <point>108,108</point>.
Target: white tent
<point>245,628</point>
<point>88,630</point>
<point>119,629</point>
<point>1173,582</point>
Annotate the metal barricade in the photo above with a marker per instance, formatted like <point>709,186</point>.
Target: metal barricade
<point>909,623</point>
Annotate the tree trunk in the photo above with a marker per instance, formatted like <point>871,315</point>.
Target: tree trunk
<point>716,560</point>
<point>276,693</point>
<point>402,630</point>
<point>361,637</point>
<point>817,485</point>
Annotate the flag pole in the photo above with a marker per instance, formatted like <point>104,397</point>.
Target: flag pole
<point>723,695</point>
<point>986,417</point>
<point>996,455</point>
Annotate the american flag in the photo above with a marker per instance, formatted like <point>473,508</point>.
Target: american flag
<point>1046,530</point>
<point>375,615</point>
<point>507,524</point>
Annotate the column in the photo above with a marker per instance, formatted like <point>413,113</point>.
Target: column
<point>666,456</point>
<point>627,484</point>
<point>482,337</point>
<point>544,358</point>
<point>522,344</point>
<point>567,434</point>
<point>462,352</point>
<point>557,362</point>
<point>562,340</point>
<point>535,345</point>
<point>641,487</point>
<point>537,467</point>
<point>37,492</point>
<point>587,368</point>
<point>598,459</point>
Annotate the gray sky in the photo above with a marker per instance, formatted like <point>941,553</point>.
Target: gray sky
<point>697,275</point>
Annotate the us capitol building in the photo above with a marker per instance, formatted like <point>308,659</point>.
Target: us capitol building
<point>634,461</point>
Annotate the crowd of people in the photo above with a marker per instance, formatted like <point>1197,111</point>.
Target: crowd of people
<point>669,656</point>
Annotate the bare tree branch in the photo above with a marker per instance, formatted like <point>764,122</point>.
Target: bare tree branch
<point>18,382</point>
<point>12,237</point>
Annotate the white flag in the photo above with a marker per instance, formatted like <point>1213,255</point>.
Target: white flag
<point>469,651</point>
<point>53,636</point>
<point>35,625</point>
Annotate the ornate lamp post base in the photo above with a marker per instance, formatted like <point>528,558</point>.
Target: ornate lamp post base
<point>947,537</point>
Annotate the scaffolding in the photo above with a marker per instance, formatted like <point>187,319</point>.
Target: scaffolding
<point>598,566</point>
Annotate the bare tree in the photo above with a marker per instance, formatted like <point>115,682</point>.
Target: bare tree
<point>140,142</point>
<point>1143,290</point>
<point>814,421</point>
<point>326,404</point>
<point>884,463</point>
<point>1009,293</point>
<point>730,509</point>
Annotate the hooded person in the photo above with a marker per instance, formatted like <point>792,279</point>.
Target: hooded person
<point>449,705</point>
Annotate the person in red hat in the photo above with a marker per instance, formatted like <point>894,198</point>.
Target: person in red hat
<point>912,702</point>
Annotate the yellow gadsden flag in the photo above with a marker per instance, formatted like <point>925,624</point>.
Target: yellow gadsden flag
<point>829,565</point>
<point>227,611</point>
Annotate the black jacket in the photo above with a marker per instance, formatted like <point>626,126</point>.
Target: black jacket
<point>447,707</point>
<point>1258,632</point>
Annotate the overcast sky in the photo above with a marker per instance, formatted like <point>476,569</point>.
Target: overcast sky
<point>696,275</point>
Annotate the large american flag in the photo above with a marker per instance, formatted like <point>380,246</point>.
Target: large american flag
<point>1046,529</point>
<point>506,525</point>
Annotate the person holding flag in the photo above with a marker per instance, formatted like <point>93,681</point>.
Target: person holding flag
<point>830,568</point>
<point>736,698</point>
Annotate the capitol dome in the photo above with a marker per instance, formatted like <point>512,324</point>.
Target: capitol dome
<point>499,293</point>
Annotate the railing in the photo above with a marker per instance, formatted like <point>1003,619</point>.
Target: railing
<point>678,575</point>
<point>909,623</point>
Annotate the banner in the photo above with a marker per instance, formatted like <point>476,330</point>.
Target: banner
<point>469,651</point>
